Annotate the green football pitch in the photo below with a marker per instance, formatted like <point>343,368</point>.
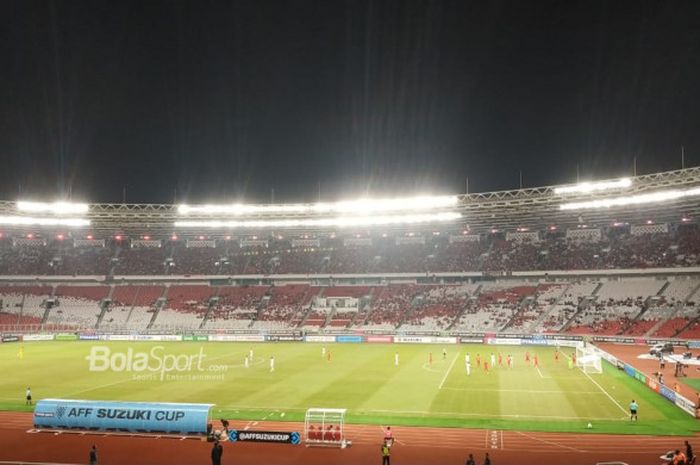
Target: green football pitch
<point>362,378</point>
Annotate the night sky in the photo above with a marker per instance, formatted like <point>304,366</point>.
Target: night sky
<point>224,100</point>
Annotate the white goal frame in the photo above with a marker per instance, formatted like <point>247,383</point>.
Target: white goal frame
<point>588,360</point>
<point>325,427</point>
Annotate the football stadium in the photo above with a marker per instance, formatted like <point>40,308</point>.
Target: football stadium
<point>310,232</point>
<point>529,319</point>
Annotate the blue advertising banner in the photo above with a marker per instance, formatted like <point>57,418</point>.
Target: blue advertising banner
<point>667,393</point>
<point>122,416</point>
<point>630,370</point>
<point>280,437</point>
<point>349,339</point>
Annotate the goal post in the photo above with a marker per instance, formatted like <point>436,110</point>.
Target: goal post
<point>325,427</point>
<point>588,360</point>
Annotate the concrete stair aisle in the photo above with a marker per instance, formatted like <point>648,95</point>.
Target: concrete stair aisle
<point>582,306</point>
<point>160,303</point>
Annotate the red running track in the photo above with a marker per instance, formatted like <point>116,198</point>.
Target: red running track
<point>414,445</point>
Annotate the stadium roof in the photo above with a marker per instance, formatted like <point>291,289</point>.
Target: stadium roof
<point>661,197</point>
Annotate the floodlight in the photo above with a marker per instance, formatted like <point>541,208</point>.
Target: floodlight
<point>57,208</point>
<point>343,221</point>
<point>32,221</point>
<point>586,187</point>
<point>361,206</point>
<point>654,197</point>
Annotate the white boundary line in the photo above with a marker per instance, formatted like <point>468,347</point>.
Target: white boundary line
<point>448,371</point>
<point>603,390</point>
<point>541,375</point>
<point>533,391</point>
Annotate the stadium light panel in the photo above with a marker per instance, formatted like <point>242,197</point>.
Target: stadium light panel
<point>654,197</point>
<point>341,222</point>
<point>57,208</point>
<point>361,206</point>
<point>586,187</point>
<point>34,221</point>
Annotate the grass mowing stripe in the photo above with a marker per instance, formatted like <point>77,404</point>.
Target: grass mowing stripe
<point>448,370</point>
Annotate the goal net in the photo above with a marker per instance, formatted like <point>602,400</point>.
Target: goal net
<point>325,427</point>
<point>588,360</point>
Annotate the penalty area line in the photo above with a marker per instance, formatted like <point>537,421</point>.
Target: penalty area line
<point>602,389</point>
<point>448,371</point>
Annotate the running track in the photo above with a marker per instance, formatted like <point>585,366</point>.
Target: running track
<point>415,445</point>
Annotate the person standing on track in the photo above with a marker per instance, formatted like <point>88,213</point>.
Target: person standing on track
<point>216,452</point>
<point>633,410</point>
<point>679,458</point>
<point>487,459</point>
<point>93,455</point>
<point>690,457</point>
<point>386,453</point>
<point>470,460</point>
<point>388,436</point>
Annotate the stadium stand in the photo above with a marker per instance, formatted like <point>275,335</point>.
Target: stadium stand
<point>132,307</point>
<point>617,304</point>
<point>236,307</point>
<point>491,253</point>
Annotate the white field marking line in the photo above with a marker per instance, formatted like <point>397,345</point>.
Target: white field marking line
<point>533,391</point>
<point>424,412</point>
<point>601,388</point>
<point>448,371</point>
<point>541,375</point>
<point>550,442</point>
<point>504,415</point>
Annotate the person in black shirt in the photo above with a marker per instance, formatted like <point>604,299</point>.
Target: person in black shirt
<point>487,460</point>
<point>93,455</point>
<point>689,456</point>
<point>216,452</point>
<point>470,460</point>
